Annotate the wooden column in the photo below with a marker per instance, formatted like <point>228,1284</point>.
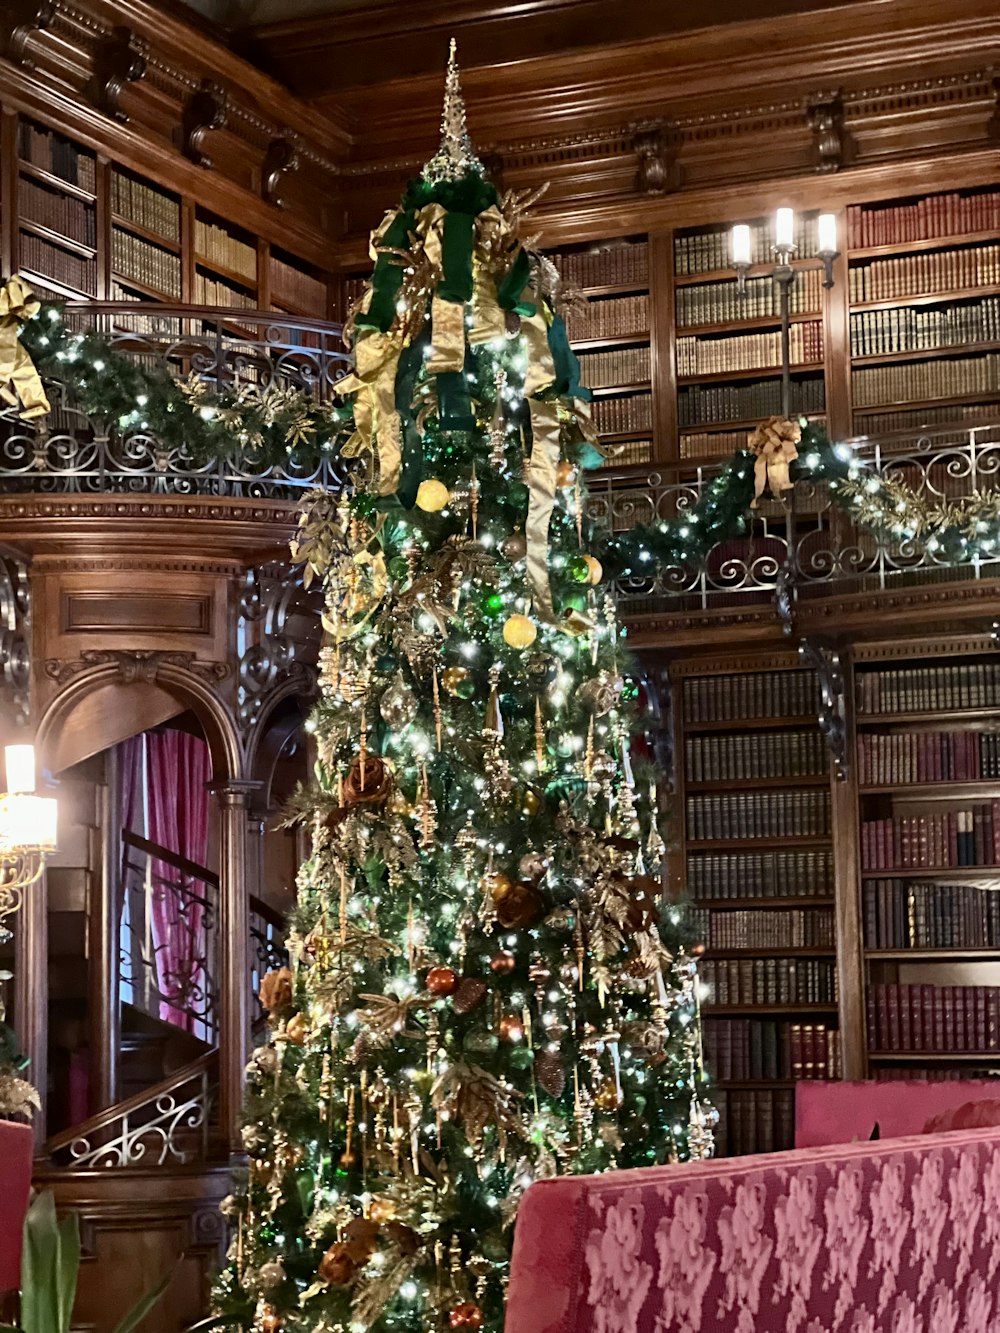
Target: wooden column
<point>234,960</point>
<point>850,936</point>
<point>31,991</point>
<point>103,929</point>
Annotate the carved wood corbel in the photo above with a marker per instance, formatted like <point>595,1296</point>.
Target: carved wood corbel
<point>655,146</point>
<point>993,124</point>
<point>280,160</point>
<point>825,113</point>
<point>118,61</point>
<point>204,111</point>
<point>26,19</point>
<point>825,661</point>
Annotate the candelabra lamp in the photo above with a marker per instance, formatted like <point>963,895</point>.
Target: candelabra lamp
<point>783,274</point>
<point>27,831</point>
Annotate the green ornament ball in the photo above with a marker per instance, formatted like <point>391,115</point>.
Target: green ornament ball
<point>482,1043</point>
<point>578,569</point>
<point>492,605</point>
<point>517,494</point>
<point>521,1058</point>
<point>466,689</point>
<point>398,568</point>
<point>575,601</point>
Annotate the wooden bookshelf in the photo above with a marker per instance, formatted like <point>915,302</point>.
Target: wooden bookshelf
<point>757,859</point>
<point>928,790</point>
<point>87,229</point>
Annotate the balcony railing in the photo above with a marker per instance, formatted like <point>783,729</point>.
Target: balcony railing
<point>71,452</point>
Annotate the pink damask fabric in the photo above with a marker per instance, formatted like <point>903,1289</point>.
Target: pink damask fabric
<point>897,1236</point>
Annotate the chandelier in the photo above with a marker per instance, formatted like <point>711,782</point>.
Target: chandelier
<point>27,831</point>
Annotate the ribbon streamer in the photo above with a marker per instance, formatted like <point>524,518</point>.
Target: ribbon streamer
<point>774,443</point>
<point>541,501</point>
<point>376,420</point>
<point>19,380</point>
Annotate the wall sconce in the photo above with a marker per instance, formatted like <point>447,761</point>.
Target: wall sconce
<point>27,830</point>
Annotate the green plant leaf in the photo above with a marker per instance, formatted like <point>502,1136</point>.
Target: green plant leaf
<point>143,1307</point>
<point>220,1321</point>
<point>68,1269</point>
<point>39,1267</point>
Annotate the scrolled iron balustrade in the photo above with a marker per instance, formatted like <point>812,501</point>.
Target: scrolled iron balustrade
<point>71,452</point>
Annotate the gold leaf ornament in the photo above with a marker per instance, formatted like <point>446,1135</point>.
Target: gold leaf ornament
<point>774,443</point>
<point>20,383</point>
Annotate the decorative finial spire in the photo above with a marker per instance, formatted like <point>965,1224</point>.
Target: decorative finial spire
<point>456,156</point>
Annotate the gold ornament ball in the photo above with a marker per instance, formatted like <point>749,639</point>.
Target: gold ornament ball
<point>595,570</point>
<point>606,1097</point>
<point>502,963</point>
<point>297,1029</point>
<point>432,495</point>
<point>442,980</point>
<point>565,474</point>
<point>382,1210</point>
<point>453,677</point>
<point>519,631</point>
<point>270,1321</point>
<point>511,1028</point>
<point>531,802</point>
<point>499,885</point>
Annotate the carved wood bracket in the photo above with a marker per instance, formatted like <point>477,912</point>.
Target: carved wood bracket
<point>134,665</point>
<point>205,110</point>
<point>825,113</point>
<point>119,59</point>
<point>281,159</point>
<point>825,661</point>
<point>27,19</point>
<point>656,145</point>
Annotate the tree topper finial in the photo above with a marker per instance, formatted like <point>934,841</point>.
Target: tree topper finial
<point>456,156</point>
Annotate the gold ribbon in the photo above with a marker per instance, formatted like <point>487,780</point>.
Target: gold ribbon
<point>376,421</point>
<point>544,460</point>
<point>447,317</point>
<point>488,320</point>
<point>774,443</point>
<point>19,380</point>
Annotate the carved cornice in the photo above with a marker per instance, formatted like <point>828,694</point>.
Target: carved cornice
<point>134,665</point>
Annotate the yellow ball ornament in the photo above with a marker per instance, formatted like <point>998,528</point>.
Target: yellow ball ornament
<point>595,570</point>
<point>432,495</point>
<point>519,631</point>
<point>565,475</point>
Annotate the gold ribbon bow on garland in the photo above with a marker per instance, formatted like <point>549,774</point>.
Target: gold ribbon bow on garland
<point>376,420</point>
<point>19,380</point>
<point>774,443</point>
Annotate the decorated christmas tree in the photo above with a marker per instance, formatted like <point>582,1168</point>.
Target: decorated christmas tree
<point>486,986</point>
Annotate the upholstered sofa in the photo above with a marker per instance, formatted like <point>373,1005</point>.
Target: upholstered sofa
<point>16,1150</point>
<point>894,1236</point>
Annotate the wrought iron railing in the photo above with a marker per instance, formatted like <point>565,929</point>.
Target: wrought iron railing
<point>168,954</point>
<point>807,544</point>
<point>267,945</point>
<point>167,1125</point>
<point>71,452</point>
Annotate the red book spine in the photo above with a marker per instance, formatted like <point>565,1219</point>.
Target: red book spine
<point>893,1041</point>
<point>917,1017</point>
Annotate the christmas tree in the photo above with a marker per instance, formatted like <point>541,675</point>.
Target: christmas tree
<point>485,987</point>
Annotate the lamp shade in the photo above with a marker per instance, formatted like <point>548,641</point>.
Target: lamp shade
<point>826,225</point>
<point>28,823</point>
<point>784,229</point>
<point>20,763</point>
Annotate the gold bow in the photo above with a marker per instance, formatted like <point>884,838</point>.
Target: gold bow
<point>376,421</point>
<point>19,380</point>
<point>774,443</point>
<point>545,439</point>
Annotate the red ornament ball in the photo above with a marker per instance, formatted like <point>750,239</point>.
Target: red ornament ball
<point>502,963</point>
<point>466,1315</point>
<point>442,980</point>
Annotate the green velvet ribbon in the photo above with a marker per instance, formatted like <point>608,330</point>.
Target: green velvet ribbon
<point>457,243</point>
<point>412,453</point>
<point>567,366</point>
<point>510,290</point>
<point>454,400</point>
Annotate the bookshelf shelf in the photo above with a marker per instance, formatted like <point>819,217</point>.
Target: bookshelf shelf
<point>765,784</point>
<point>640,285</point>
<point>776,901</point>
<point>746,325</point>
<point>146,233</point>
<point>750,423</point>
<point>750,723</point>
<point>953,716</point>
<point>991,872</point>
<point>618,340</point>
<point>763,844</point>
<point>54,182</point>
<point>57,238</point>
<point>917,404</point>
<point>774,951</point>
<point>40,280</point>
<point>921,1057</point>
<point>935,791</point>
<point>927,243</point>
<point>925,298</point>
<point>767,372</point>
<point>764,1010</point>
<point>230,274</point>
<point>605,390</point>
<point>932,955</point>
<point>926,353</point>
<point>135,285</point>
<point>752,1083</point>
<point>729,274</point>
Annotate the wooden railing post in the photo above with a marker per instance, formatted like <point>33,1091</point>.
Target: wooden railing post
<point>103,924</point>
<point>234,950</point>
<point>31,991</point>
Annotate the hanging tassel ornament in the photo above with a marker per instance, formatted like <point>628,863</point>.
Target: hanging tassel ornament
<point>539,735</point>
<point>437,709</point>
<point>428,812</point>
<point>498,430</point>
<point>474,503</point>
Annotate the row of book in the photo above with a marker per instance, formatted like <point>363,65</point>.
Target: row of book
<point>780,874</point>
<point>616,317</point>
<point>757,694</point>
<point>885,423</point>
<point>611,266</point>
<point>51,261</point>
<point>59,212</point>
<point>707,251</point>
<point>133,257</point>
<point>749,351</point>
<point>753,1120</point>
<point>901,1074</point>
<point>724,303</point>
<point>872,385</point>
<point>215,292</point>
<point>697,403</point>
<point>219,246</point>
<point>620,414</point>
<point>57,155</point>
<point>928,756</point>
<point>924,328</point>
<point>629,453</point>
<point>622,365</point>
<point>790,928</point>
<point>923,219</point>
<point>138,202</point>
<point>921,689</point>
<point>733,981</point>
<point>771,754</point>
<point>925,273</point>
<point>712,444</point>
<point>917,915</point>
<point>753,814</point>
<point>292,286</point>
<point>749,1048</point>
<point>968,837</point>
<point>914,1017</point>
